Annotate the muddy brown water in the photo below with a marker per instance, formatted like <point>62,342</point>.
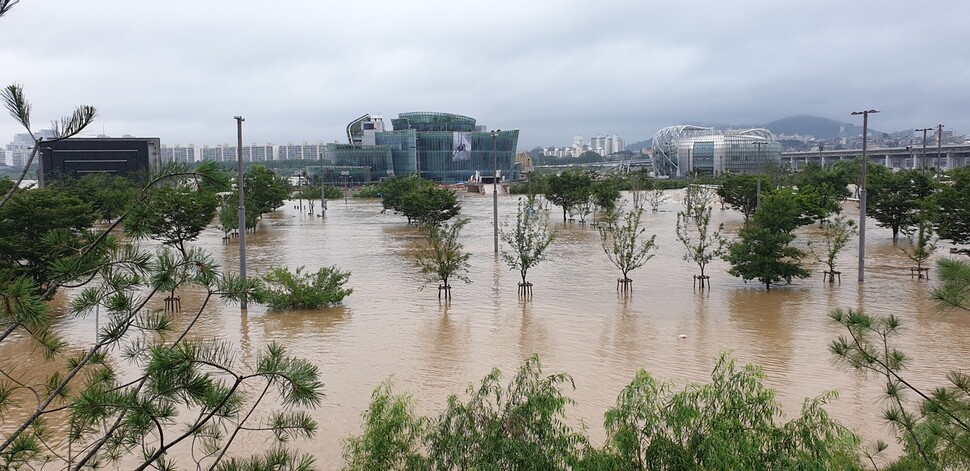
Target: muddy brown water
<point>575,322</point>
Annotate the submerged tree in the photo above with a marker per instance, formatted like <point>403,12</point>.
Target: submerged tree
<point>763,250</point>
<point>625,245</point>
<point>835,236</point>
<point>702,244</point>
<point>443,258</point>
<point>283,289</point>
<point>922,244</point>
<point>528,240</point>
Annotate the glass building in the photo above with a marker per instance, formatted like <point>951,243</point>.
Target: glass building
<point>681,150</point>
<point>437,146</point>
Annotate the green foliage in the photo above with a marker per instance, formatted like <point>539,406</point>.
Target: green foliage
<point>835,236</point>
<point>733,422</point>
<point>953,205</point>
<point>934,430</point>
<point>368,191</point>
<point>762,250</point>
<point>265,191</point>
<point>173,215</point>
<point>108,195</point>
<point>419,200</point>
<point>730,423</point>
<point>569,190</point>
<point>27,218</point>
<point>825,189</point>
<point>394,188</point>
<point>391,437</point>
<point>894,199</point>
<point>955,289</point>
<point>606,194</point>
<point>624,243</point>
<point>921,241</point>
<point>442,257</point>
<point>740,191</point>
<point>702,245</point>
<point>283,289</point>
<point>528,239</point>
<point>228,213</point>
<point>430,205</point>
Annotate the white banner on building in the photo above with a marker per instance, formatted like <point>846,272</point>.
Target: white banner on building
<point>462,145</point>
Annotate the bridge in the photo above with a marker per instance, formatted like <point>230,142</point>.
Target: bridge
<point>911,157</point>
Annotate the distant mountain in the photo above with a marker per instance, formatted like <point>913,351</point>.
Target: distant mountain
<point>821,128</point>
<point>638,146</point>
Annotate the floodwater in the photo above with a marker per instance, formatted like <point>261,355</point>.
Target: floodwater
<point>576,322</point>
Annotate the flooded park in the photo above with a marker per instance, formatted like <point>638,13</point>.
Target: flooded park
<point>576,321</point>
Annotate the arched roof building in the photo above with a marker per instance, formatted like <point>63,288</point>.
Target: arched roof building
<point>684,149</point>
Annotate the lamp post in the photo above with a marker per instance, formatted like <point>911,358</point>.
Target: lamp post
<point>323,191</point>
<point>922,164</point>
<point>240,183</point>
<point>495,134</point>
<point>939,148</point>
<point>761,169</point>
<point>862,193</point>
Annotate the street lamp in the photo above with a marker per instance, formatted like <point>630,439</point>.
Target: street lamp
<point>242,209</point>
<point>323,191</point>
<point>922,165</point>
<point>761,170</point>
<point>939,145</point>
<point>495,134</point>
<point>862,193</point>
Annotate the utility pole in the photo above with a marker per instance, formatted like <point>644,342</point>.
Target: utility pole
<point>323,191</point>
<point>240,184</point>
<point>495,190</point>
<point>939,148</point>
<point>761,169</point>
<point>862,193</point>
<point>922,165</point>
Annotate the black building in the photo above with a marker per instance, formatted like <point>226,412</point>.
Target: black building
<point>79,156</point>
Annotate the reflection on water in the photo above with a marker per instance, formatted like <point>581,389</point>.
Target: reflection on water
<point>576,321</point>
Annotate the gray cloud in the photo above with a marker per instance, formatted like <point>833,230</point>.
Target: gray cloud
<point>300,70</point>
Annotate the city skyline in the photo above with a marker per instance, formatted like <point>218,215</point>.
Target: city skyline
<point>299,72</point>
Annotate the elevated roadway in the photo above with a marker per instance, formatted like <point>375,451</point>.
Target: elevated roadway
<point>950,156</point>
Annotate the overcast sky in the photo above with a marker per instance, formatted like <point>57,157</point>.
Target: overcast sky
<point>301,70</point>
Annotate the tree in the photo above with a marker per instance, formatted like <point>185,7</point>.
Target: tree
<point>835,236</point>
<point>894,199</point>
<point>953,205</point>
<point>442,258</point>
<point>28,220</point>
<point>763,249</point>
<point>606,194</point>
<point>825,189</point>
<point>394,188</point>
<point>528,240</point>
<point>108,195</point>
<point>922,244</point>
<point>740,191</point>
<point>429,205</point>
<point>935,429</point>
<point>228,218</point>
<point>282,289</point>
<point>625,245</point>
<point>732,422</point>
<point>569,189</point>
<point>265,191</point>
<point>309,193</point>
<point>16,103</point>
<point>707,245</point>
<point>173,215</point>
